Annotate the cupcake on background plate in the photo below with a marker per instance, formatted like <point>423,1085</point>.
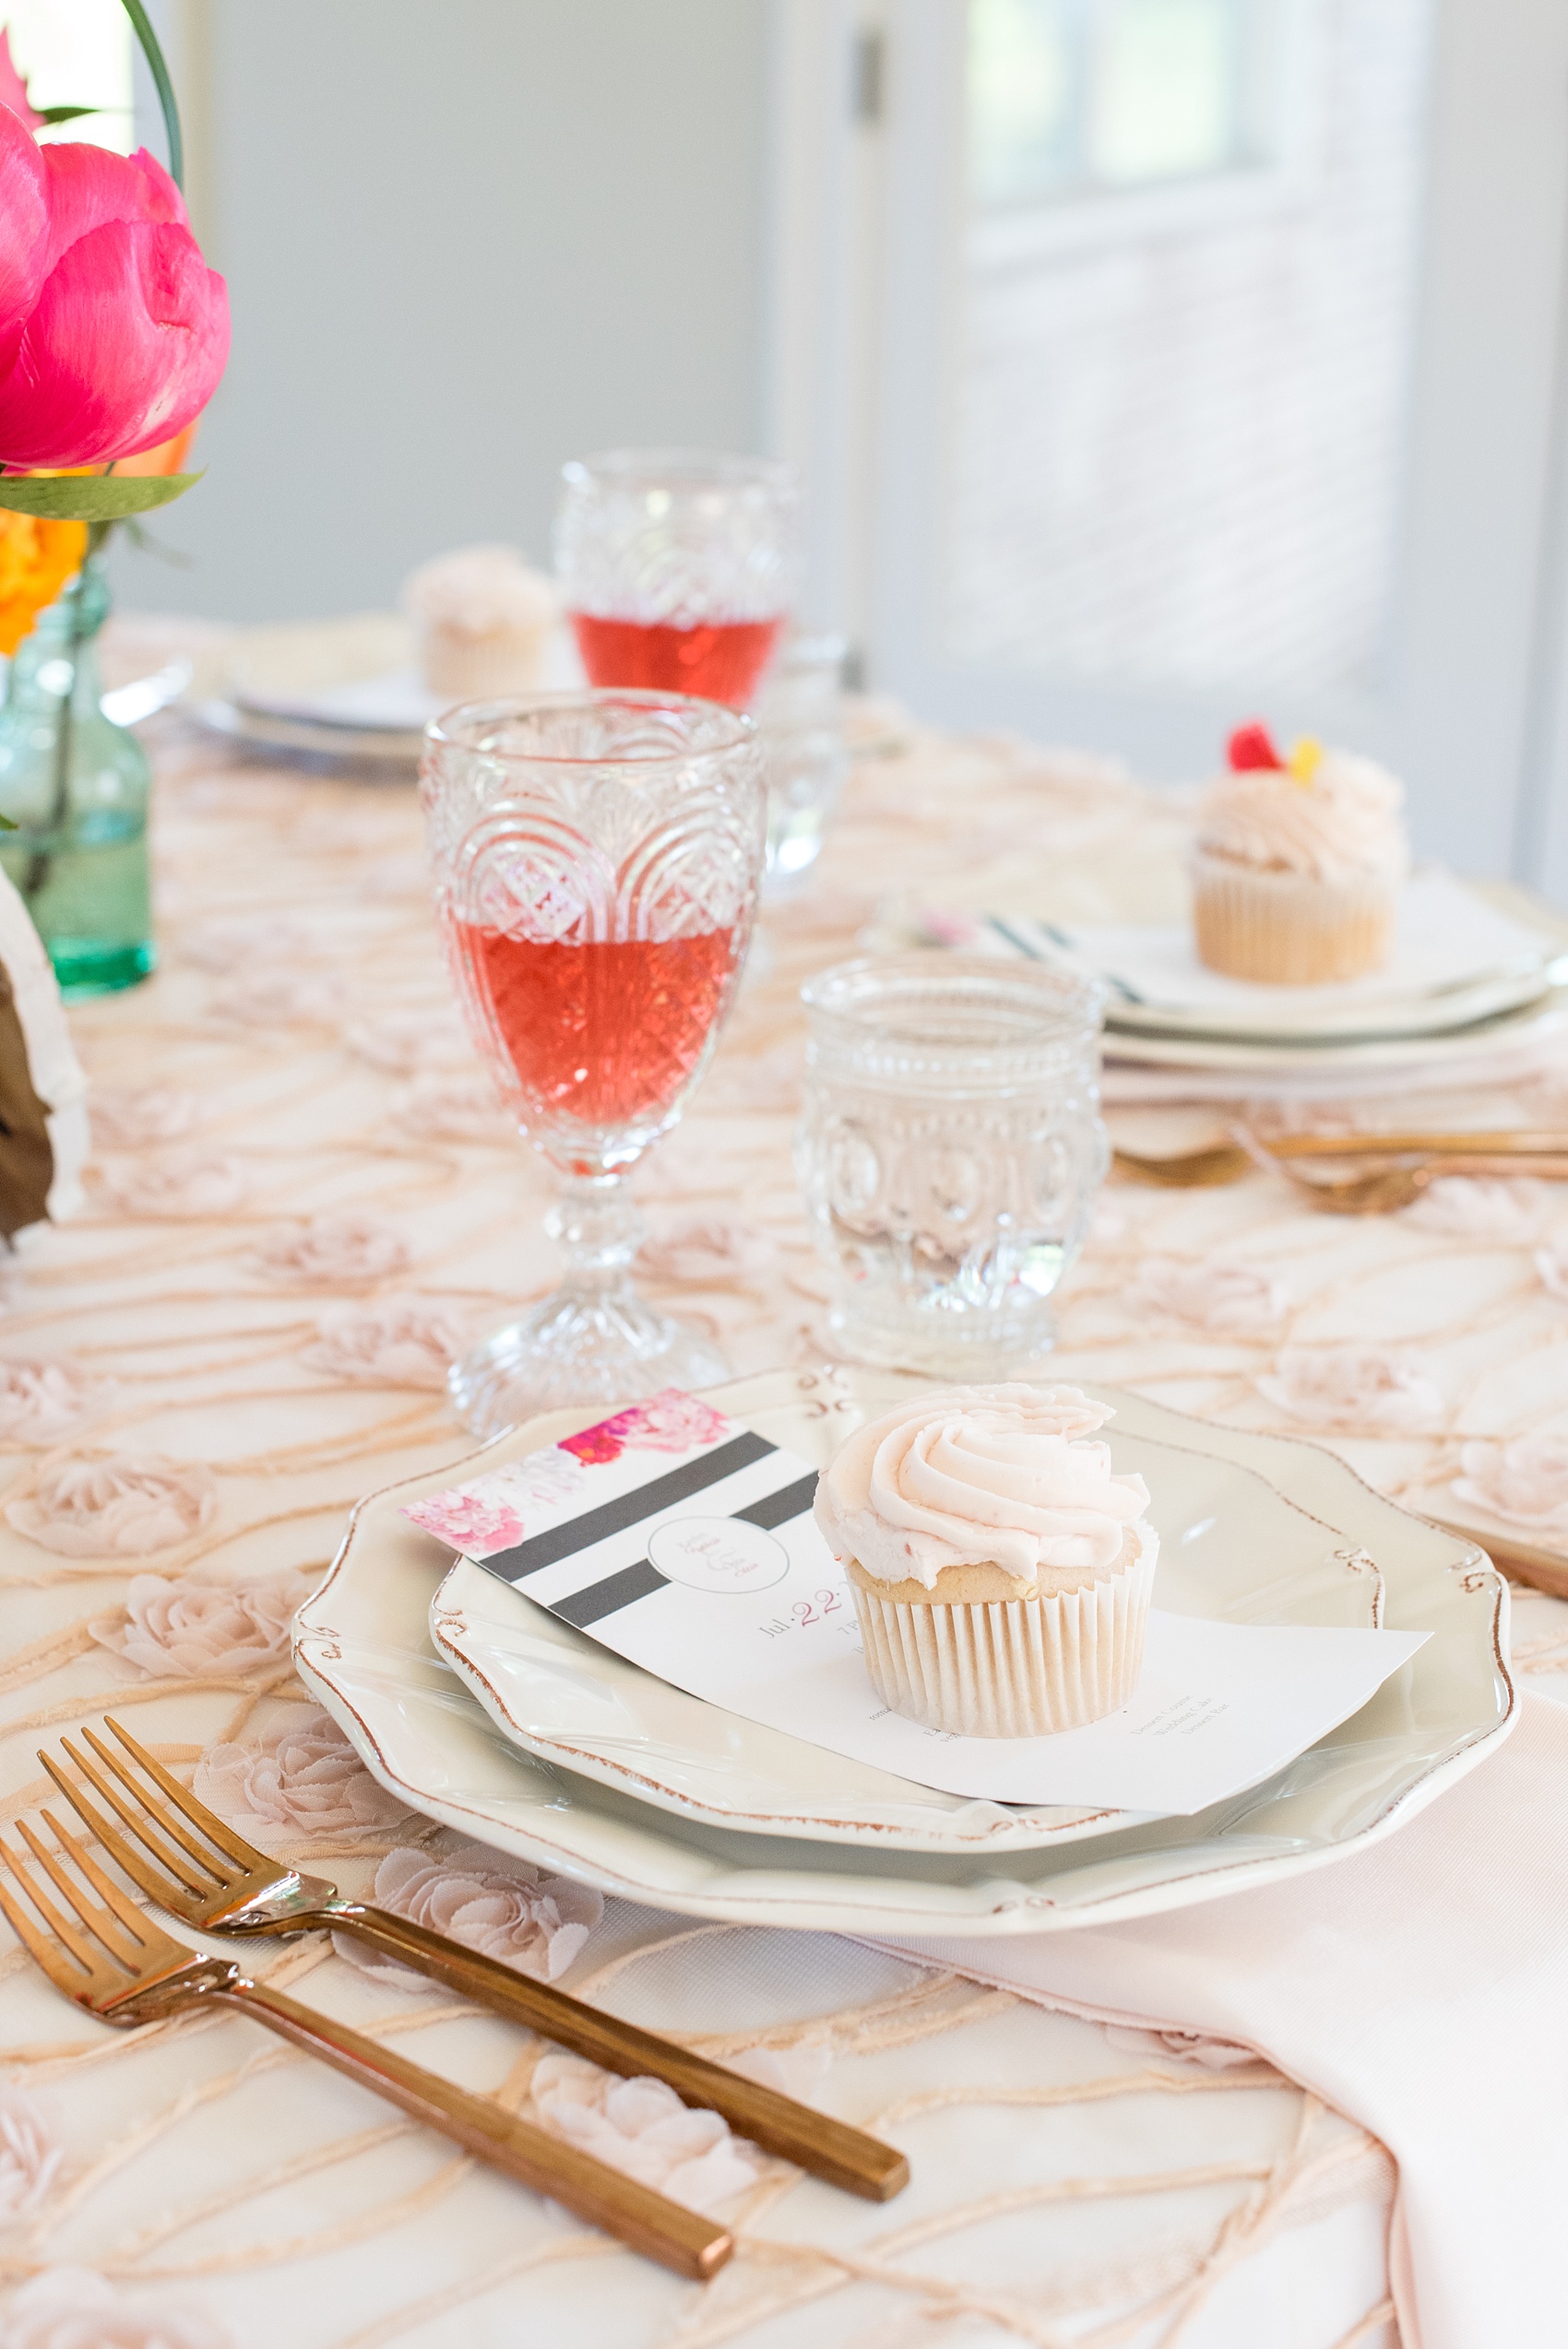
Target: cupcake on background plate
<point>1001,1573</point>
<point>483,618</point>
<point>1298,863</point>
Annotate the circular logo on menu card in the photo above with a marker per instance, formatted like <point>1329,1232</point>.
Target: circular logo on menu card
<point>717,1554</point>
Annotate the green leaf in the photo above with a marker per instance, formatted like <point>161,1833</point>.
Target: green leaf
<point>91,497</point>
<point>67,113</point>
<point>164,87</point>
<point>7,824</point>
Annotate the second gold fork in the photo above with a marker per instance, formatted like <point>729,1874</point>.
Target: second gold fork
<point>212,1879</point>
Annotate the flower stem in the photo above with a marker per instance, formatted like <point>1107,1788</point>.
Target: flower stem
<point>40,863</point>
<point>164,87</point>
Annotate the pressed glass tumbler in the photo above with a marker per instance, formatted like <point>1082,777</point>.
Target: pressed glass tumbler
<point>596,859</point>
<point>950,1150</point>
<point>677,567</point>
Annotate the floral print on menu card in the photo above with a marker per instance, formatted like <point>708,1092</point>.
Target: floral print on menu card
<point>490,1514</point>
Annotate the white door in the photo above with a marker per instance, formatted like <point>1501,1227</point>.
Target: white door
<point>1163,364</point>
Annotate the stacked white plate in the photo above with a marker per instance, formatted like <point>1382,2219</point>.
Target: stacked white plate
<point>1472,988</point>
<point>483,1709</point>
<point>346,690</point>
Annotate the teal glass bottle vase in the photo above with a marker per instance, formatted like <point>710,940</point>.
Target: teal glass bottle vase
<point>76,787</point>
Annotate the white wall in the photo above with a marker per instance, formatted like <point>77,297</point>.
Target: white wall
<point>463,242</point>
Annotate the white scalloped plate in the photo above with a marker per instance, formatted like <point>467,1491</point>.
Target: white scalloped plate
<point>682,1835</point>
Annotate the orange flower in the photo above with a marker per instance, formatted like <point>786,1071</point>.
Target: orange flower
<point>36,560</point>
<point>169,457</point>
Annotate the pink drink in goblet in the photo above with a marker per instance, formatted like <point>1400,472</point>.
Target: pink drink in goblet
<point>596,858</point>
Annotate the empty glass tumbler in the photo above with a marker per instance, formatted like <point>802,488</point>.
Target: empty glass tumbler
<point>950,1150</point>
<point>677,567</point>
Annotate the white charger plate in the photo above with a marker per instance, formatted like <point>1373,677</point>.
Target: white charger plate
<point>362,1644</point>
<point>1517,1030</point>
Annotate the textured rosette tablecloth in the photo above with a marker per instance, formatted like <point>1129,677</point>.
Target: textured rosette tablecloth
<point>301,1203</point>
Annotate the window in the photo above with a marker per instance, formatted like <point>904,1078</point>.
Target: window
<point>1185,314</point>
<point>1068,97</point>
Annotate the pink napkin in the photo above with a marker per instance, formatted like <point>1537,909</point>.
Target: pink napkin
<point>1421,1988</point>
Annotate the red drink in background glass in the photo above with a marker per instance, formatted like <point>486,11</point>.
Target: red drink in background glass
<point>606,1033</point>
<point>719,660</point>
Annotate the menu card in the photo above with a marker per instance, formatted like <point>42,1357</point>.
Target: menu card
<point>687,1543</point>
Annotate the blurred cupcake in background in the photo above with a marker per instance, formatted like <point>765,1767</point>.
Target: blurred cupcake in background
<point>483,618</point>
<point>1298,863</point>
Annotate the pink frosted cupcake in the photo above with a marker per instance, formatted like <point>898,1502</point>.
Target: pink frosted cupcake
<point>484,618</point>
<point>1001,1573</point>
<point>1298,863</point>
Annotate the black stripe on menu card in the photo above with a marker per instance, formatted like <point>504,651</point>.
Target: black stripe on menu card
<point>643,1500</point>
<point>608,1597</point>
<point>596,1600</point>
<point>777,1508</point>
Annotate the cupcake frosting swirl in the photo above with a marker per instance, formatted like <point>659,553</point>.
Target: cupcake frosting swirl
<point>982,1474</point>
<point>1344,822</point>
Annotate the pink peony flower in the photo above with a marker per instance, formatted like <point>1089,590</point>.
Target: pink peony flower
<point>263,941</point>
<point>403,1042</point>
<point>260,997</point>
<point>13,89</point>
<point>641,2126</point>
<point>332,1252</point>
<point>120,1507</point>
<point>24,207</point>
<point>666,1422</point>
<point>1506,1209</point>
<point>114,331</point>
<point>1352,1386</point>
<point>203,1625</point>
<point>28,2155</point>
<point>76,2308</point>
<point>186,1186</point>
<point>300,1777</point>
<point>478,1528</point>
<point>405,1342</point>
<point>1521,1480</point>
<point>41,1402</point>
<point>451,1107</point>
<point>506,1908</point>
<point>127,1120</point>
<point>709,1253</point>
<point>593,1446</point>
<point>491,1513</point>
<point>1227,1298</point>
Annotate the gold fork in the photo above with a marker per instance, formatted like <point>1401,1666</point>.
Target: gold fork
<point>114,1962</point>
<point>1383,1190</point>
<point>221,1884</point>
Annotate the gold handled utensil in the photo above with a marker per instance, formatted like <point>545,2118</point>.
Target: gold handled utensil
<point>114,1962</point>
<point>1220,1162</point>
<point>1544,1570</point>
<point>1381,1190</point>
<point>212,1879</point>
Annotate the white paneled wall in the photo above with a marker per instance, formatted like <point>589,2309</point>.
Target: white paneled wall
<point>463,243</point>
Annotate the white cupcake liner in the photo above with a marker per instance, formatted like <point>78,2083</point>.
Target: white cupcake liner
<point>1011,1668</point>
<point>1290,929</point>
<point>476,668</point>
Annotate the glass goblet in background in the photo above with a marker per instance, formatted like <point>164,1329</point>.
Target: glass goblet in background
<point>677,568</point>
<point>596,859</point>
<point>799,714</point>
